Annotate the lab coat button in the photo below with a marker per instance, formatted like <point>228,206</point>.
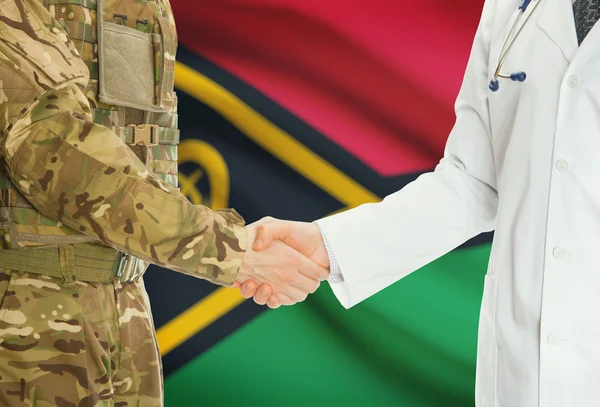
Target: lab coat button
<point>553,339</point>
<point>572,81</point>
<point>562,166</point>
<point>559,253</point>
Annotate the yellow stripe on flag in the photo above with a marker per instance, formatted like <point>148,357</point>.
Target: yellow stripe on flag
<point>197,317</point>
<point>281,145</point>
<point>272,138</point>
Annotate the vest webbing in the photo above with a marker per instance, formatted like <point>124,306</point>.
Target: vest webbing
<point>83,262</point>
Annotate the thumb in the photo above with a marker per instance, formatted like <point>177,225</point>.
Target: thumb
<point>265,234</point>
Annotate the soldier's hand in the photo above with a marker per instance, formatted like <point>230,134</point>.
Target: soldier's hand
<point>286,275</point>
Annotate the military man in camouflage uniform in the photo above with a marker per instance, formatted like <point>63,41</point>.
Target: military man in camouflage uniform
<point>88,197</point>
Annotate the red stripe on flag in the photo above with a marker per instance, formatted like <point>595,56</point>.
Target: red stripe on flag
<point>377,77</point>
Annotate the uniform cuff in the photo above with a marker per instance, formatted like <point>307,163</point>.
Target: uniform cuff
<point>231,244</point>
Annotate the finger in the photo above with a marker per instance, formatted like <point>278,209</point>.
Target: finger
<point>311,269</point>
<point>273,302</point>
<point>262,294</point>
<point>284,299</point>
<point>294,294</point>
<point>236,285</point>
<point>266,233</point>
<point>248,288</point>
<point>293,271</point>
<point>303,283</point>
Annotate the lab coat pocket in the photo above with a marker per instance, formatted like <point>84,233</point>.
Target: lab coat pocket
<point>485,382</point>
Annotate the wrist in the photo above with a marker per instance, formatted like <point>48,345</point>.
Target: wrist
<point>245,269</point>
<point>322,249</point>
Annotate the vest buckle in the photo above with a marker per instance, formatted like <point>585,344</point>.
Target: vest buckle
<point>128,268</point>
<point>144,134</point>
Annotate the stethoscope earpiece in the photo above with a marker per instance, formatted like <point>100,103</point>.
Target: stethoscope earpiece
<point>494,86</point>
<point>518,76</point>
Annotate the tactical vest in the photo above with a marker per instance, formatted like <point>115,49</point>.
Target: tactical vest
<point>129,48</point>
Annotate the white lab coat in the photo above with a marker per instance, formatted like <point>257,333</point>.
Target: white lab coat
<point>524,161</point>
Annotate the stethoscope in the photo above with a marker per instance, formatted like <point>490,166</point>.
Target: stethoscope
<point>507,45</point>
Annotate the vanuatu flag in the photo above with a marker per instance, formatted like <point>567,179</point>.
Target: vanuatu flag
<point>298,109</point>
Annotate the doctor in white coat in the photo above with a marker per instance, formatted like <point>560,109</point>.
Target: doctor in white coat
<point>523,160</point>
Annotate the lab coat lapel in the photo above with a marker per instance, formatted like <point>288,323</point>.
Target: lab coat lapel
<point>556,19</point>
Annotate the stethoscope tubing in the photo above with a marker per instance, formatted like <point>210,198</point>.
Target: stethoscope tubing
<point>508,43</point>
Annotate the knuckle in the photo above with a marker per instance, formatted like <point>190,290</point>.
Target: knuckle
<point>315,274</point>
<point>260,231</point>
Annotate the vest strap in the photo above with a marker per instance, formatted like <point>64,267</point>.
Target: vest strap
<point>148,135</point>
<point>11,198</point>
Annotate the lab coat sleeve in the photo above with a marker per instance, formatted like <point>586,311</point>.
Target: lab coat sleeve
<point>378,244</point>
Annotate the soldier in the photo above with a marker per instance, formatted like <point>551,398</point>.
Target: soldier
<point>88,197</point>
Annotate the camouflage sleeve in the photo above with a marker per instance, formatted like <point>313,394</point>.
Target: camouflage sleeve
<point>81,173</point>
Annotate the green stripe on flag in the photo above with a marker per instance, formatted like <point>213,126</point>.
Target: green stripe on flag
<point>414,344</point>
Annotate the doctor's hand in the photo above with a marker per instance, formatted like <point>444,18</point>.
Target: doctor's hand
<point>284,272</point>
<point>304,237</point>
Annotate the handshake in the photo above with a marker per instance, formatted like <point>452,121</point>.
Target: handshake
<point>284,262</point>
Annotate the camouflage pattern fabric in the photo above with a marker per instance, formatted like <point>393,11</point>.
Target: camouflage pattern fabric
<point>62,343</point>
<point>80,173</point>
<point>81,345</point>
